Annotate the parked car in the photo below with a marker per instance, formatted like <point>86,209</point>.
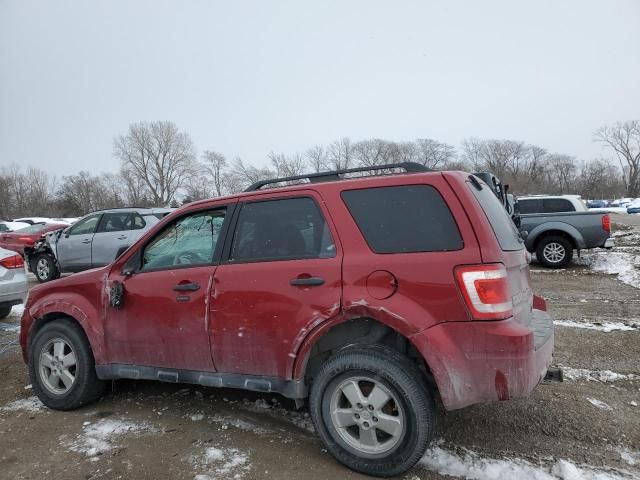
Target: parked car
<point>555,226</point>
<point>93,241</point>
<point>7,226</point>
<point>597,204</point>
<point>26,237</point>
<point>319,291</point>
<point>13,281</point>
<point>634,207</point>
<point>34,220</point>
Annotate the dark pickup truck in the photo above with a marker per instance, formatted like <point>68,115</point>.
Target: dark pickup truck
<point>555,226</point>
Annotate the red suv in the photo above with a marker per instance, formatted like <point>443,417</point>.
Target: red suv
<point>370,296</point>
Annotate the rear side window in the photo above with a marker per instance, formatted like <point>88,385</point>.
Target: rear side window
<point>557,205</point>
<point>286,229</point>
<point>530,205</point>
<point>113,222</point>
<point>404,219</point>
<point>500,221</point>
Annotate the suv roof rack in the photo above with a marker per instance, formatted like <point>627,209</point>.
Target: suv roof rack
<point>334,175</point>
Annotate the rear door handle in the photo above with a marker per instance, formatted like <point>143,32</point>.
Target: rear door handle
<point>186,287</point>
<point>86,240</point>
<point>308,282</point>
<point>122,237</point>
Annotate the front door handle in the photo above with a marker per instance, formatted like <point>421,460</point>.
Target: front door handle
<point>122,237</point>
<point>86,240</point>
<point>306,282</point>
<point>187,287</point>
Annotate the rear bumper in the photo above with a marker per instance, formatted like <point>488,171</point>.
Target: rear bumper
<point>14,289</point>
<point>609,243</point>
<point>475,362</point>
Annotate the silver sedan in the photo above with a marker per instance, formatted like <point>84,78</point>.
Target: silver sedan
<point>13,281</point>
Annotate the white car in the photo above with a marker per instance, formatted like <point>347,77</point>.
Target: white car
<point>12,226</point>
<point>551,204</point>
<point>32,220</point>
<point>13,281</point>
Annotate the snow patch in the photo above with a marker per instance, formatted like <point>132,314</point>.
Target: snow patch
<point>603,327</point>
<point>31,404</point>
<point>219,463</point>
<point>471,466</point>
<point>599,404</point>
<point>630,457</point>
<point>625,265</point>
<point>99,437</point>
<point>604,376</point>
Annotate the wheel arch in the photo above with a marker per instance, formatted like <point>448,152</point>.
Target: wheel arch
<point>555,229</point>
<point>334,336</point>
<point>66,311</point>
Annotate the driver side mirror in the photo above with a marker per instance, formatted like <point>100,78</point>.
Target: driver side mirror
<point>133,264</point>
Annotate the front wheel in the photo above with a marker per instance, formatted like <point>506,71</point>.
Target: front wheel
<point>554,251</point>
<point>62,368</point>
<point>371,408</point>
<point>45,268</point>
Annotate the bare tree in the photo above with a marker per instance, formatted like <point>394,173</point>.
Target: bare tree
<point>368,153</point>
<point>562,170</point>
<point>624,139</point>
<point>317,158</point>
<point>287,166</point>
<point>159,154</point>
<point>215,164</point>
<point>434,154</point>
<point>340,154</point>
<point>242,175</point>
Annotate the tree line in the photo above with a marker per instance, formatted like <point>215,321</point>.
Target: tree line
<point>159,166</point>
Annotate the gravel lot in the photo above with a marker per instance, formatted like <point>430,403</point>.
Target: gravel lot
<point>148,431</point>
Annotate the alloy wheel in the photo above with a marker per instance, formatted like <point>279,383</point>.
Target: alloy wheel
<point>42,269</point>
<point>554,252</point>
<point>57,366</point>
<point>367,416</point>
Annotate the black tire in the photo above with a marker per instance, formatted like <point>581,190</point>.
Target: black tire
<point>5,310</point>
<point>86,387</point>
<point>51,272</point>
<point>561,245</point>
<point>403,380</point>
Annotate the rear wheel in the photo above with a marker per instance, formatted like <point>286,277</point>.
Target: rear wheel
<point>45,268</point>
<point>554,251</point>
<point>372,410</point>
<point>62,368</point>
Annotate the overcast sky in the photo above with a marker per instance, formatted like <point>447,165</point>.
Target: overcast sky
<point>245,78</point>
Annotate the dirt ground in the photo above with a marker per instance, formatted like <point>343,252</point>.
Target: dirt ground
<point>145,430</point>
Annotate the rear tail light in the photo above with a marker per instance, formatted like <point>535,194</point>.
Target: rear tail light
<point>12,262</point>
<point>606,223</point>
<point>25,239</point>
<point>485,289</point>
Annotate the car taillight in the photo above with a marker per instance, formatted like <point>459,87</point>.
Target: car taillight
<point>485,289</point>
<point>25,239</point>
<point>12,262</point>
<point>606,223</point>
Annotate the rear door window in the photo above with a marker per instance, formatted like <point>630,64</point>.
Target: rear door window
<point>286,229</point>
<point>500,221</point>
<point>557,205</point>
<point>530,205</point>
<point>404,219</point>
<point>113,222</point>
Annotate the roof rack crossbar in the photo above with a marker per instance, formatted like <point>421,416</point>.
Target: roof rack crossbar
<point>334,175</point>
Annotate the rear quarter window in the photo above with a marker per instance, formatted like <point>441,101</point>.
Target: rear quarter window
<point>505,231</point>
<point>404,219</point>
